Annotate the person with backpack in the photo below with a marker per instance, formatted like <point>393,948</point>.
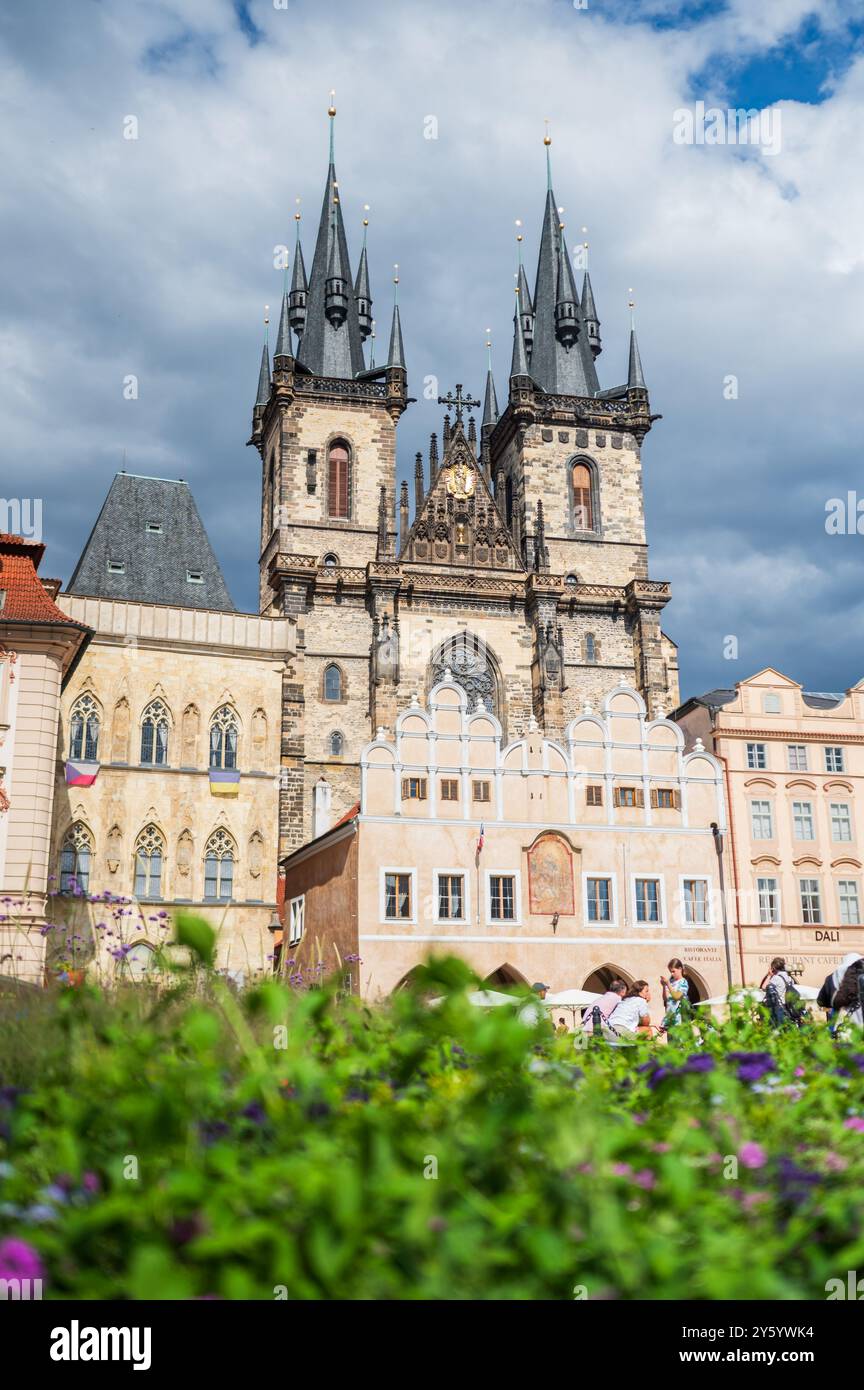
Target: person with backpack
<point>849,999</point>
<point>832,982</point>
<point>781,995</point>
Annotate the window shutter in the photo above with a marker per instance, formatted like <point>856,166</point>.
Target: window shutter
<point>404,788</point>
<point>676,800</point>
<point>422,788</point>
<point>640,797</point>
<point>655,799</point>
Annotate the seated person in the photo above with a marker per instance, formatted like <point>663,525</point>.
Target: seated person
<point>632,1014</point>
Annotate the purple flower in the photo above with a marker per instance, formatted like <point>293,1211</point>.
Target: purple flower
<point>752,1155</point>
<point>90,1182</point>
<point>699,1062</point>
<point>854,1122</point>
<point>18,1260</point>
<point>753,1065</point>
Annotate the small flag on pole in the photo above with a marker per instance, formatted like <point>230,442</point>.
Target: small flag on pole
<point>481,838</point>
<point>81,774</point>
<point>224,781</point>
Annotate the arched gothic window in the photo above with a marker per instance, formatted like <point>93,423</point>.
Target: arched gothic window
<point>223,738</point>
<point>592,648</point>
<point>583,501</point>
<point>332,682</point>
<point>75,857</point>
<point>84,729</point>
<point>219,866</point>
<point>331,561</point>
<point>337,744</point>
<point>339,479</point>
<point>149,854</point>
<point>154,734</point>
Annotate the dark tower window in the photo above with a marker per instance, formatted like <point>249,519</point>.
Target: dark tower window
<point>508,500</point>
<point>332,683</point>
<point>339,489</point>
<point>592,651</point>
<point>583,508</point>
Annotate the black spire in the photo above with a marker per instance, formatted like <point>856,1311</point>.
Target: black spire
<point>299,287</point>
<point>331,344</point>
<point>263,395</point>
<point>283,338</point>
<point>519,360</point>
<point>561,359</point>
<point>635,377</point>
<point>589,314</point>
<point>362,293</point>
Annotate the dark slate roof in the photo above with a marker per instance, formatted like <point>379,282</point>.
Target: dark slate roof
<point>822,699</point>
<point>155,565</point>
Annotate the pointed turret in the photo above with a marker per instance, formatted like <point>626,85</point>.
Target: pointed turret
<point>589,314</point>
<point>396,355</point>
<point>299,287</point>
<point>433,458</point>
<point>472,434</point>
<point>526,309</point>
<point>382,523</point>
<point>445,434</point>
<point>519,360</point>
<point>263,395</point>
<point>490,415</point>
<point>566,299</point>
<point>403,513</point>
<point>331,344</point>
<point>362,293</point>
<point>283,338</point>
<point>635,377</point>
<point>419,483</point>
<point>561,358</point>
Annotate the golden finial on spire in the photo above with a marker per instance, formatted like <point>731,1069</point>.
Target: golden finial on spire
<point>547,138</point>
<point>297,213</point>
<point>266,314</point>
<point>518,228</point>
<point>396,274</point>
<point>365,219</point>
<point>331,109</point>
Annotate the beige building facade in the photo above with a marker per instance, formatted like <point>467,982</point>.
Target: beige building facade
<point>162,695</point>
<point>793,766</point>
<point>568,861</point>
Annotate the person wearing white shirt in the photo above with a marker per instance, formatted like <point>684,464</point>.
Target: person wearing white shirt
<point>632,1013</point>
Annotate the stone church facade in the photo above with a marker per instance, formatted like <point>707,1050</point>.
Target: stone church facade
<point>520,563</point>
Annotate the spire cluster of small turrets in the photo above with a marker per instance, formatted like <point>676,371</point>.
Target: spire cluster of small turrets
<point>325,319</point>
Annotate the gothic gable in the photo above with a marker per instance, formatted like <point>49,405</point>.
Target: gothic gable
<point>459,522</point>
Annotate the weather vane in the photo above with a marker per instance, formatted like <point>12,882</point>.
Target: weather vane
<point>457,403</point>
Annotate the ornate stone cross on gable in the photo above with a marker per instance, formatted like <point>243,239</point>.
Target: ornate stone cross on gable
<point>457,403</point>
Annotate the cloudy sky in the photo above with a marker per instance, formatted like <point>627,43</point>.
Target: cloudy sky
<point>155,257</point>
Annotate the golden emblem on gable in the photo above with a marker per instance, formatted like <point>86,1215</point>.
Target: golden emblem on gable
<point>461,480</point>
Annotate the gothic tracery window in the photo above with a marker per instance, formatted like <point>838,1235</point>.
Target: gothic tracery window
<point>84,729</point>
<point>223,738</point>
<point>154,734</point>
<point>149,854</point>
<point>219,866</point>
<point>75,856</point>
<point>467,659</point>
<point>332,682</point>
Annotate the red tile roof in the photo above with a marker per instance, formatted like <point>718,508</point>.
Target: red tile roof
<point>26,600</point>
<point>349,815</point>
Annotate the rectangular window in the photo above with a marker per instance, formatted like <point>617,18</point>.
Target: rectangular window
<point>480,791</point>
<point>771,704</point>
<point>841,821</point>
<point>696,902</point>
<point>502,897</point>
<point>756,756</point>
<point>811,907</point>
<point>194,577</point>
<point>116,567</point>
<point>413,788</point>
<point>594,796</point>
<point>296,920</point>
<point>629,796</point>
<point>647,900</point>
<point>599,892</point>
<point>834,760</point>
<point>154,528</point>
<point>664,798</point>
<point>802,820</point>
<point>397,897</point>
<point>761,821</point>
<point>769,901</point>
<point>850,911</point>
<point>797,756</point>
<point>451,897</point>
<point>449,789</point>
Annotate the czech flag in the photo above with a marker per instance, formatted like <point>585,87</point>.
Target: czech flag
<point>482,837</point>
<point>224,781</point>
<point>81,774</point>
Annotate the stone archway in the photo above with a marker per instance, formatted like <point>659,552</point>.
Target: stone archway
<point>600,979</point>
<point>505,975</point>
<point>698,988</point>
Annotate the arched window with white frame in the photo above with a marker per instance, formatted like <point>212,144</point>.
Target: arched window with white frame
<point>219,859</point>
<point>155,723</point>
<point>224,736</point>
<point>149,859</point>
<point>84,723</point>
<point>76,854</point>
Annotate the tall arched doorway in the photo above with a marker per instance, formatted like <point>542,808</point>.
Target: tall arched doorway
<point>471,665</point>
<point>698,989</point>
<point>600,979</point>
<point>505,975</point>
